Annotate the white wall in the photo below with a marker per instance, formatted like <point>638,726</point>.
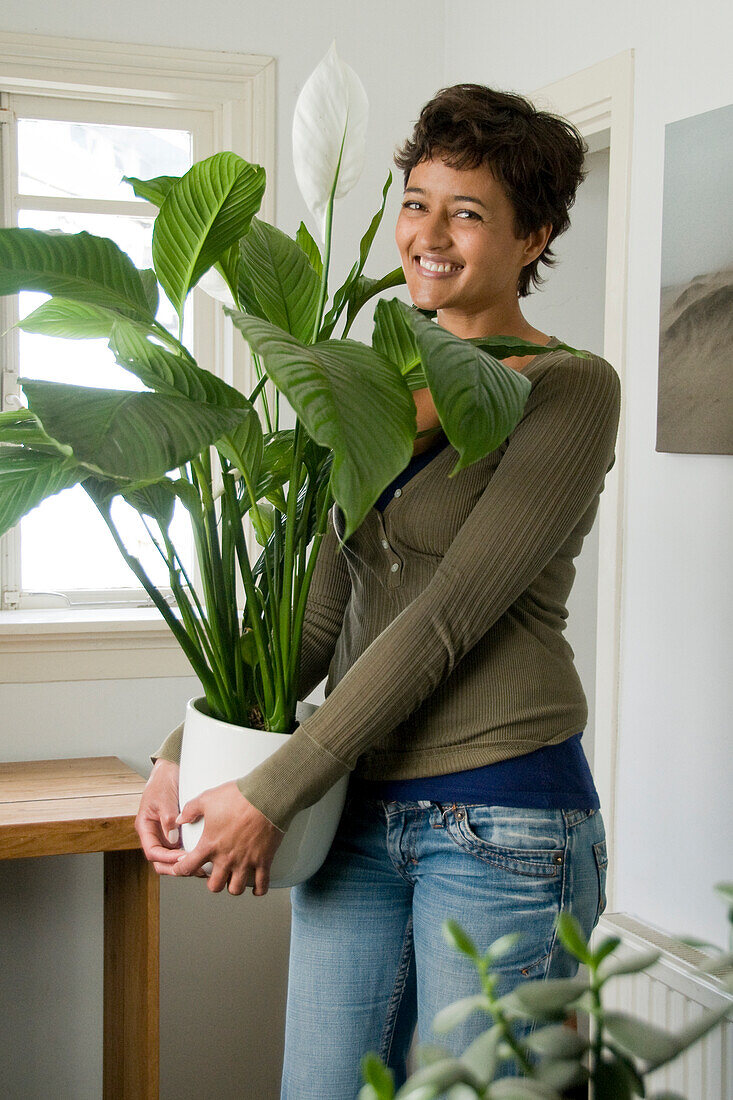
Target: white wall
<point>674,813</point>
<point>675,823</point>
<point>223,960</point>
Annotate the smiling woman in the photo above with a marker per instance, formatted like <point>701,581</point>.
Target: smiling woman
<point>452,695</point>
<point>452,700</point>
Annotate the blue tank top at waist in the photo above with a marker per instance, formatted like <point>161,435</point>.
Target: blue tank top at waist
<point>553,777</point>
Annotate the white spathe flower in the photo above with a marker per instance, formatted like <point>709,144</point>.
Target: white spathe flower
<point>330,121</point>
<point>215,285</point>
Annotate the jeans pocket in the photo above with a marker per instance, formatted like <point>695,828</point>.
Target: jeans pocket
<point>523,841</point>
<point>600,852</point>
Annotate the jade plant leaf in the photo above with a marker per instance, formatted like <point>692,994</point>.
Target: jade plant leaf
<point>78,266</point>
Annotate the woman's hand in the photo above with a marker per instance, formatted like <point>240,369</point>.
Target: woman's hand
<point>238,839</point>
<point>156,817</point>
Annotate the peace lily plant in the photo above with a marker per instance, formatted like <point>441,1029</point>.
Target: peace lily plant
<point>190,438</point>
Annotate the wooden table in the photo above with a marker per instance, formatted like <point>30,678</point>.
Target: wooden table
<point>64,807</point>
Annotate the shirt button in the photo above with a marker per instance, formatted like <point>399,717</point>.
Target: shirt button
<point>394,566</point>
<point>398,492</point>
<point>385,544</point>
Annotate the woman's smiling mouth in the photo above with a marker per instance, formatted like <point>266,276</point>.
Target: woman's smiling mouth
<point>432,267</point>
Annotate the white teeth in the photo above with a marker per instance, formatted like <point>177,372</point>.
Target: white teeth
<point>430,266</point>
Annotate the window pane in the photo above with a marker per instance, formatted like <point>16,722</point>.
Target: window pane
<point>89,362</point>
<point>86,160</point>
<point>65,544</point>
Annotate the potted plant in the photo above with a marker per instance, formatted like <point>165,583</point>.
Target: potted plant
<point>192,440</point>
<point>622,1052</point>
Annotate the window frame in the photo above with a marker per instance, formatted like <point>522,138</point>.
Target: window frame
<point>236,94</point>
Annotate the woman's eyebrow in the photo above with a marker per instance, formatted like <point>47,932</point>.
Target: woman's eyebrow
<point>456,198</point>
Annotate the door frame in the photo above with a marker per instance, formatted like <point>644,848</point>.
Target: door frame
<point>599,100</point>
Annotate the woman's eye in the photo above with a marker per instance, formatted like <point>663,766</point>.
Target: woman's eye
<point>468,213</point>
<point>412,204</point>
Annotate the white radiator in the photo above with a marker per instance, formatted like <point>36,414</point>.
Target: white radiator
<point>670,994</point>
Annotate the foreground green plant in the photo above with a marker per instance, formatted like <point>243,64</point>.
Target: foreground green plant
<point>622,1051</point>
<point>193,440</point>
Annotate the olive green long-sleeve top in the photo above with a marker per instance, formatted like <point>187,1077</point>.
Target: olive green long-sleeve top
<point>440,621</point>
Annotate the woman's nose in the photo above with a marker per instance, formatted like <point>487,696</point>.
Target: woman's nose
<point>434,231</point>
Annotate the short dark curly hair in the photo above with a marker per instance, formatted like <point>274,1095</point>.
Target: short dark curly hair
<point>537,157</point>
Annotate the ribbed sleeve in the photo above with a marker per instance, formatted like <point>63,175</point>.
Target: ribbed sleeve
<point>328,596</point>
<point>549,475</point>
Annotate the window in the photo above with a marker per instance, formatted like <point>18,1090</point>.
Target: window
<point>76,117</point>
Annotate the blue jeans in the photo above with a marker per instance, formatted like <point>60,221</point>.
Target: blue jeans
<point>368,960</point>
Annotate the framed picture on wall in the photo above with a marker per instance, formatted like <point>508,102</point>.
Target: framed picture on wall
<point>695,394</point>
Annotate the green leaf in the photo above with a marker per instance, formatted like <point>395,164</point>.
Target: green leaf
<point>605,948</point>
<point>153,190</point>
<point>165,372</point>
<point>367,288</point>
<point>501,946</point>
<point>556,1041</point>
<point>77,266</point>
<point>456,937</point>
<point>551,995</point>
<point>562,1073</point>
<point>454,1014</point>
<point>157,500</point>
<point>285,284</point>
<point>140,436</point>
<point>689,1035</point>
<point>150,286</point>
<point>640,960</point>
<point>393,335</point>
<point>481,1055</point>
<point>262,516</point>
<point>308,245</point>
<point>203,215</point>
<point>349,400</point>
<point>344,292</point>
<point>611,1082</point>
<point>432,1080</point>
<point>69,320</point>
<point>572,937</point>
<point>376,1074</point>
<point>28,477</point>
<point>520,1089</point>
<point>640,1038</point>
<point>21,427</point>
<point>479,401</point>
<point>504,347</point>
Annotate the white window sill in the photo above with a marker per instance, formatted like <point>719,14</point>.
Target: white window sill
<point>41,646</point>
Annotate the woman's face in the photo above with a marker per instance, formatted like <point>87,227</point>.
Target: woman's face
<point>457,244</point>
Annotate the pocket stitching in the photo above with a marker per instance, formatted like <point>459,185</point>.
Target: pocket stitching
<point>600,852</point>
<point>506,857</point>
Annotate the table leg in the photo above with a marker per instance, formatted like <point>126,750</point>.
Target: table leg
<point>131,977</point>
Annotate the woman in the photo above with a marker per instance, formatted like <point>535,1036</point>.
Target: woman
<point>452,696</point>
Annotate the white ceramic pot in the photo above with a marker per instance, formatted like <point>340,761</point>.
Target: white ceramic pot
<point>214,752</point>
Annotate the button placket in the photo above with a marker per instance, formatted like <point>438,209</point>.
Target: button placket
<point>394,562</point>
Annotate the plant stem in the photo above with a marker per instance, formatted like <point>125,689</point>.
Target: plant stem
<point>187,644</point>
<point>252,607</point>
